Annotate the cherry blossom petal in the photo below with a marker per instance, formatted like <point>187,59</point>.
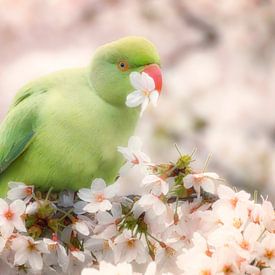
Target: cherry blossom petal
<point>35,261</point>
<point>144,105</point>
<point>151,269</point>
<point>18,207</point>
<point>82,228</point>
<point>105,205</point>
<point>134,99</point>
<point>104,218</point>
<point>63,258</point>
<point>116,210</point>
<point>110,191</point>
<point>154,96</point>
<point>157,184</point>
<point>19,224</point>
<point>84,194</point>
<point>32,208</point>
<point>209,186</point>
<point>42,247</point>
<point>19,243</point>
<point>7,229</point>
<point>91,207</point>
<point>225,192</point>
<point>126,152</point>
<point>14,184</point>
<point>144,157</point>
<point>159,208</point>
<point>3,205</point>
<point>211,175</point>
<point>136,80</point>
<point>19,190</point>
<point>188,181</point>
<point>98,184</point>
<point>20,257</point>
<point>148,82</point>
<point>66,198</point>
<point>79,207</point>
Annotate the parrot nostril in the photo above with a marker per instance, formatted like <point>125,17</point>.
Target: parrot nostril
<point>154,71</point>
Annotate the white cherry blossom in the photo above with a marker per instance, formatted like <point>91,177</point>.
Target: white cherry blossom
<point>19,190</point>
<point>157,215</point>
<point>106,227</point>
<point>133,155</point>
<point>128,248</point>
<point>266,250</point>
<point>226,260</point>
<point>231,198</point>
<point>155,184</point>
<point>29,251</point>
<point>66,198</point>
<point>166,256</point>
<point>83,225</point>
<point>10,217</point>
<point>268,216</point>
<point>235,217</point>
<point>247,241</point>
<point>150,201</point>
<point>102,248</point>
<point>57,253</point>
<point>32,207</point>
<point>201,180</point>
<point>97,196</point>
<point>145,91</point>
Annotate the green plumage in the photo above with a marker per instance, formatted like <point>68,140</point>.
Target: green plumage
<point>63,130</point>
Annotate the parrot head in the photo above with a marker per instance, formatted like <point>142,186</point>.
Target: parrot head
<point>113,63</point>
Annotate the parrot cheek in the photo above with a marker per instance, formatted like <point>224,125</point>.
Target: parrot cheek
<point>154,71</point>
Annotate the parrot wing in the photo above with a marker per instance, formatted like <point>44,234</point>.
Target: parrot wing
<point>17,129</point>
<point>26,93</point>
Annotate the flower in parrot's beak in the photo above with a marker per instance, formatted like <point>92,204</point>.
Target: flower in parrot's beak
<point>147,86</point>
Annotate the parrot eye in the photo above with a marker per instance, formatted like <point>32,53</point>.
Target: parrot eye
<point>123,66</point>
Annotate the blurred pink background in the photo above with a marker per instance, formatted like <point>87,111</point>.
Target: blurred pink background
<point>218,61</point>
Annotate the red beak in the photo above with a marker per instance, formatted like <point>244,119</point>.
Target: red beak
<point>154,72</point>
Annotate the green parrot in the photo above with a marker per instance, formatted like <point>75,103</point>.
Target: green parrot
<point>62,130</point>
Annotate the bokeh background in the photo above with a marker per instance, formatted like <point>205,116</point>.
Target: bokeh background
<point>218,60</point>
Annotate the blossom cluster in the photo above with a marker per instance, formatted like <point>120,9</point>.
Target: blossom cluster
<point>182,222</point>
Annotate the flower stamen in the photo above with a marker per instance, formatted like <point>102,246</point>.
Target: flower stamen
<point>9,215</point>
<point>100,197</point>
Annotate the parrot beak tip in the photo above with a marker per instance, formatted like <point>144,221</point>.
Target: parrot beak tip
<point>154,71</point>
